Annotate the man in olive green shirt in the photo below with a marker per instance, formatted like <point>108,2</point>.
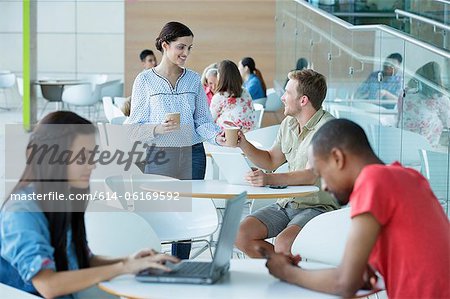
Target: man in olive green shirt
<point>303,97</point>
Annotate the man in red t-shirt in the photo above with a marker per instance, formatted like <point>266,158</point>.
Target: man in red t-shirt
<point>398,226</point>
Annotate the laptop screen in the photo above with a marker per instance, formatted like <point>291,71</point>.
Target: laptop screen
<point>228,231</point>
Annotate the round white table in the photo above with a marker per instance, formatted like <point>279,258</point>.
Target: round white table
<point>248,278</point>
<point>221,189</point>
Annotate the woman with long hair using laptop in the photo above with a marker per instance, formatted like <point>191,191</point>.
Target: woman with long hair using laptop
<point>43,247</point>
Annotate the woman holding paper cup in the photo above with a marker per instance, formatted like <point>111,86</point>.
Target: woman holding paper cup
<point>170,106</point>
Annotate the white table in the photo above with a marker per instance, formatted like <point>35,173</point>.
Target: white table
<point>221,189</point>
<point>248,278</point>
<point>7,292</point>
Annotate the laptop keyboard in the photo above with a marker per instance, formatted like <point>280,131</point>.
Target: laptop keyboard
<point>192,268</point>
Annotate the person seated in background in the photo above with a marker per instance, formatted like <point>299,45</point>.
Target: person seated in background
<point>148,59</point>
<point>284,219</point>
<point>390,88</point>
<point>231,103</point>
<point>253,80</point>
<point>209,81</point>
<point>425,109</point>
<point>302,63</point>
<point>43,246</point>
<point>386,233</point>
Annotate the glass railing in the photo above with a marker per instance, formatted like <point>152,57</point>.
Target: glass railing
<point>428,21</point>
<point>404,108</point>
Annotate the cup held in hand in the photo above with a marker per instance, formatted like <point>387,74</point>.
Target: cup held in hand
<point>231,136</point>
<point>174,117</point>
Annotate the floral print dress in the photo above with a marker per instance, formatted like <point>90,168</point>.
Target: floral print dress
<point>427,116</point>
<point>239,111</point>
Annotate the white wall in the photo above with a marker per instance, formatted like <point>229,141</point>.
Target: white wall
<point>75,38</point>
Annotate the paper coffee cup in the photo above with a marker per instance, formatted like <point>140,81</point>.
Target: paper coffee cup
<point>231,136</point>
<point>174,117</point>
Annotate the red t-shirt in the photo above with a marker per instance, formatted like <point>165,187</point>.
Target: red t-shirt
<point>412,251</point>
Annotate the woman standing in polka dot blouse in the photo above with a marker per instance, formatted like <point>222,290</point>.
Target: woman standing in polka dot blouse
<point>170,88</point>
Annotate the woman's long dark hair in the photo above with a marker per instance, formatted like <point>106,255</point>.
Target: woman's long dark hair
<point>250,63</point>
<point>60,129</point>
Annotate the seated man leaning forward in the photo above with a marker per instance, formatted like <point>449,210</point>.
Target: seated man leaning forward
<point>398,226</point>
<point>303,97</point>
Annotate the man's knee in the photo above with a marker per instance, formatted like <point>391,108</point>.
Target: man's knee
<point>250,229</point>
<point>284,241</point>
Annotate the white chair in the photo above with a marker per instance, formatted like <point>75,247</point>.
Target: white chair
<point>7,81</point>
<point>198,225</point>
<point>261,101</point>
<point>118,120</point>
<point>263,138</point>
<point>273,102</point>
<point>259,114</point>
<point>82,95</point>
<point>435,167</point>
<point>111,111</point>
<point>394,144</point>
<point>120,101</point>
<point>323,238</point>
<point>118,233</point>
<point>113,90</point>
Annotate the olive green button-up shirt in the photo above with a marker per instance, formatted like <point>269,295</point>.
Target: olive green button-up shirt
<point>294,145</point>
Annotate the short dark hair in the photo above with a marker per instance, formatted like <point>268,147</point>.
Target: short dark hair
<point>146,53</point>
<point>230,79</point>
<point>170,32</point>
<point>341,133</point>
<point>396,56</point>
<point>312,84</point>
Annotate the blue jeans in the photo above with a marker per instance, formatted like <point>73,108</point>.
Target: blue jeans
<point>184,163</point>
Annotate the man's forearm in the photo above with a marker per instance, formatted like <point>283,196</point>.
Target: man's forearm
<point>294,178</point>
<point>261,158</point>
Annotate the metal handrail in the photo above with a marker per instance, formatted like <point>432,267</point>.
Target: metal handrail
<point>446,2</point>
<point>383,28</point>
<point>421,19</point>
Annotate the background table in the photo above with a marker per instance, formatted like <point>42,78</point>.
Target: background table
<point>221,189</point>
<point>248,278</point>
<point>52,90</point>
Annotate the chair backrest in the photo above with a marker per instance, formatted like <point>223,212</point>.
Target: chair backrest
<point>79,95</point>
<point>273,102</point>
<point>108,108</point>
<point>118,233</point>
<point>261,101</point>
<point>20,85</point>
<point>7,80</point>
<point>264,137</point>
<point>435,167</point>
<point>259,114</point>
<point>113,90</point>
<point>323,238</point>
<point>120,101</point>
<point>118,120</point>
<point>394,144</point>
<point>202,221</point>
<point>111,110</point>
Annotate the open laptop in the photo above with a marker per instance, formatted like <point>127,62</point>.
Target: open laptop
<point>197,272</point>
<point>233,166</point>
